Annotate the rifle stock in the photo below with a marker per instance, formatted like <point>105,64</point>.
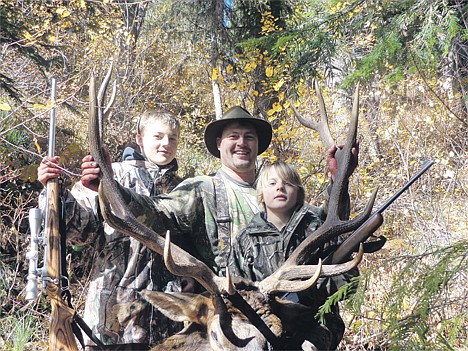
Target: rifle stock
<point>61,335</point>
<point>359,236</point>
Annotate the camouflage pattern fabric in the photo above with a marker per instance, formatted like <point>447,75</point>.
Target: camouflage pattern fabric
<point>122,266</point>
<point>260,248</point>
<point>189,212</point>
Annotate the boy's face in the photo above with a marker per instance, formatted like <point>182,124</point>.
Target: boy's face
<point>278,195</point>
<point>158,142</point>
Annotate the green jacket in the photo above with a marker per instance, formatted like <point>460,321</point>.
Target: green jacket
<point>190,213</point>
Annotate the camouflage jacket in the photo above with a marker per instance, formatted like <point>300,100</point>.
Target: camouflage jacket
<point>190,213</point>
<point>260,248</point>
<point>122,265</point>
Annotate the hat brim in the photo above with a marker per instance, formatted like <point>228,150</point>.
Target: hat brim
<point>215,128</point>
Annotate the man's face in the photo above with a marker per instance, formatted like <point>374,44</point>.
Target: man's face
<point>159,142</point>
<point>238,146</point>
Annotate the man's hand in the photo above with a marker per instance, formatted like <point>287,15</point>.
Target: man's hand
<point>332,161</point>
<point>48,169</point>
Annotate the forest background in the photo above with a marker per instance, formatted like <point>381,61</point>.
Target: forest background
<point>197,58</point>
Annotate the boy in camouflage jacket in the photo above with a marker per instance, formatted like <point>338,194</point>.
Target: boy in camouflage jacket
<point>122,265</point>
<point>273,234</point>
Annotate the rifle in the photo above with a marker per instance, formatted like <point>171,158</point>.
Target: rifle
<point>61,335</point>
<point>372,224</point>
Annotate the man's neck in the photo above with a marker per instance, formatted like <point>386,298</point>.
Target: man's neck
<point>247,177</point>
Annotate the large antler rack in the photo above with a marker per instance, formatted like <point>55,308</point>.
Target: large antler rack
<point>178,261</point>
<point>333,225</point>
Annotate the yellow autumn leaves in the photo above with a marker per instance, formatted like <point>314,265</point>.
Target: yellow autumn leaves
<point>4,106</point>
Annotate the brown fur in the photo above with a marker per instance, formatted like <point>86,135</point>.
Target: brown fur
<point>204,331</point>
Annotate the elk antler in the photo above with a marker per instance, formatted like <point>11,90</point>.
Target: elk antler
<point>322,128</point>
<point>114,208</point>
<point>285,280</point>
<point>333,225</point>
<point>288,277</point>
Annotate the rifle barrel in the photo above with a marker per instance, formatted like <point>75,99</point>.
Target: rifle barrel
<point>53,89</point>
<point>425,167</point>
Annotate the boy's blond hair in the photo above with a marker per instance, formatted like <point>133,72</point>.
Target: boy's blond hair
<point>157,115</point>
<point>286,173</point>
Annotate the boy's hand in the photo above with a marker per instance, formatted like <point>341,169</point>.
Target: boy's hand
<point>47,169</point>
<point>90,173</point>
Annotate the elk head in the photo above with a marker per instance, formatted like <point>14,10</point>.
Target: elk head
<point>223,328</point>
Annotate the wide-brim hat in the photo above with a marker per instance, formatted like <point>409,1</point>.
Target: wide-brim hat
<point>215,129</point>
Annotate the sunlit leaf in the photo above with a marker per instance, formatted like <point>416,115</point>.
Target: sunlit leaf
<point>269,71</point>
<point>279,84</point>
<point>4,106</point>
<point>214,73</point>
<point>62,12</point>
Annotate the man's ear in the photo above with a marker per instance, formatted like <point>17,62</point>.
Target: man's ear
<point>218,142</point>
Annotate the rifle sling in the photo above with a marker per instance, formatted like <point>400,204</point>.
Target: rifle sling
<point>79,322</point>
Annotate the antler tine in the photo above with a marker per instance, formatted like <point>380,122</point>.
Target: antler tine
<point>322,128</point>
<point>230,288</point>
<point>100,100</point>
<point>103,87</point>
<point>327,137</point>
<point>274,285</point>
<point>287,278</point>
<point>111,100</point>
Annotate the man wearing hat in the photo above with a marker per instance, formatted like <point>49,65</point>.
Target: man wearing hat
<point>237,138</point>
<point>208,211</point>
